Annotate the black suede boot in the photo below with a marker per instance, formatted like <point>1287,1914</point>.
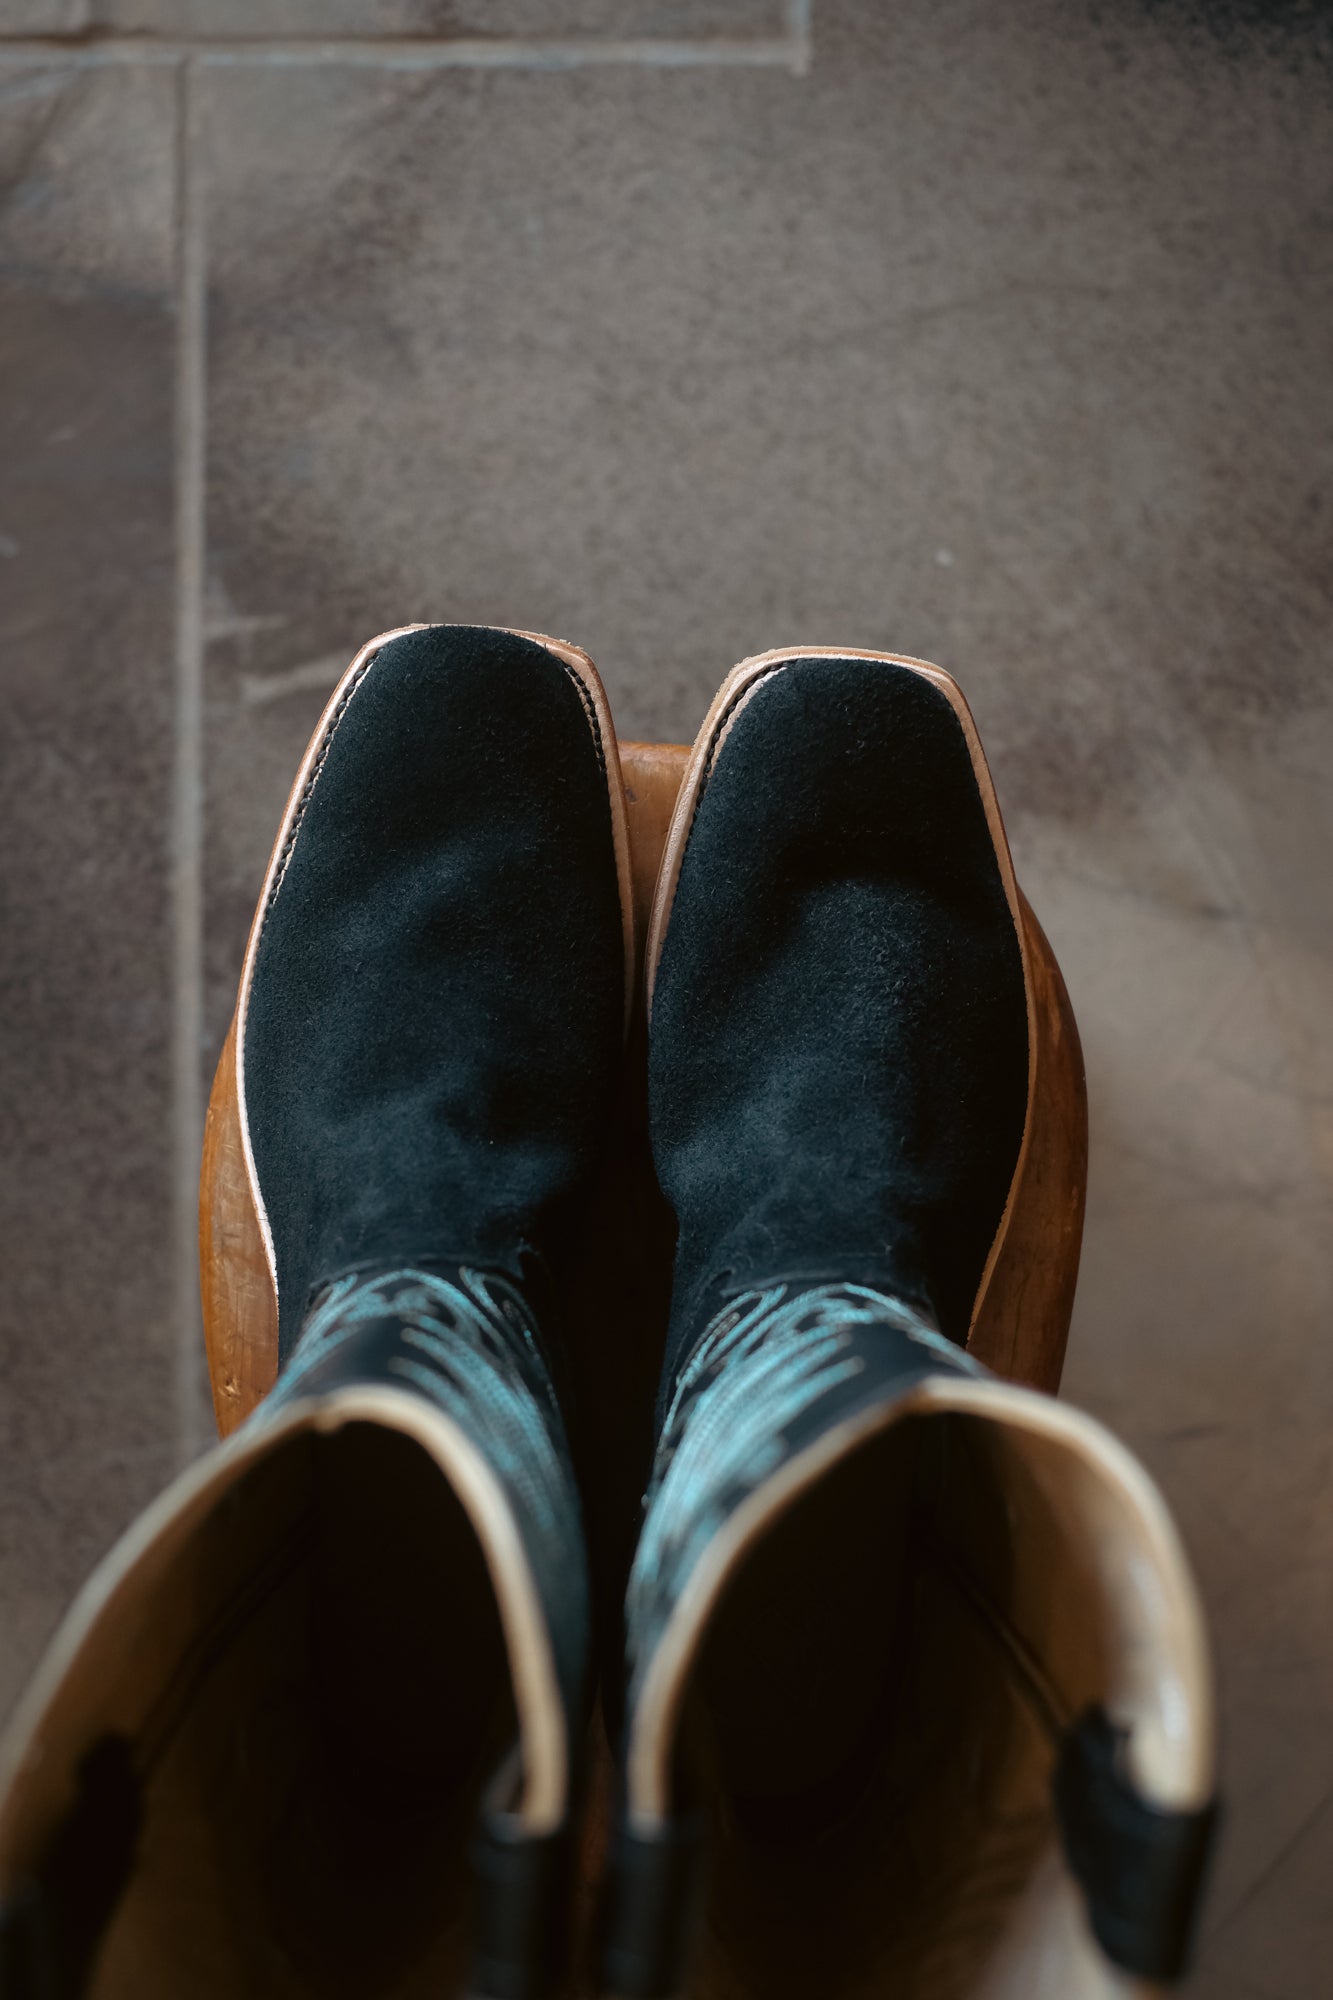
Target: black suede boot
<point>350,1648</point>
<point>846,1041</point>
<point>433,999</point>
<point>428,1052</point>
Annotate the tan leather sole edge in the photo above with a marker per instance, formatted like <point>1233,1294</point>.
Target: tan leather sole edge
<point>1020,1317</point>
<point>238,1284</point>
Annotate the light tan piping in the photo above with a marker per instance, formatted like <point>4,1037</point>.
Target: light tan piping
<point>198,1490</point>
<point>1173,1765</point>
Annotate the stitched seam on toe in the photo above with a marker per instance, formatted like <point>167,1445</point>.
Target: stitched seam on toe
<point>741,694</point>
<point>284,857</point>
<point>289,844</point>
<point>590,710</point>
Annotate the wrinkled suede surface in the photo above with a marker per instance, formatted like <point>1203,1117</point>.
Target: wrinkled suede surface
<point>838,1048</point>
<point>433,1036</point>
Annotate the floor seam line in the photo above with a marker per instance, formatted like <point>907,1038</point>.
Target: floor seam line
<point>801,33</point>
<point>789,51</point>
<point>186,828</point>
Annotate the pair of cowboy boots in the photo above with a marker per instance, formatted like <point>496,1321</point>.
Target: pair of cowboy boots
<point>910,1690</point>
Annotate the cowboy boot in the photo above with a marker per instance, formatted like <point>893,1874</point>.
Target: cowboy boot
<point>349,1648</point>
<point>917,1695</point>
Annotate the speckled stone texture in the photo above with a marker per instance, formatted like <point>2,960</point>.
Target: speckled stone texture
<point>1000,337</point>
<point>87,1349</point>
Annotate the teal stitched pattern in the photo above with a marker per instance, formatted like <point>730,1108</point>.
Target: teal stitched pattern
<point>772,1373</point>
<point>467,1343</point>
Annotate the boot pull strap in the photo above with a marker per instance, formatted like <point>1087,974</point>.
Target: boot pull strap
<point>52,1922</point>
<point>1140,1866</point>
<point>523,1887</point>
<point>649,1910</point>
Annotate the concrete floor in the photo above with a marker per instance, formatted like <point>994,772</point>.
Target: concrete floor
<point>998,335</point>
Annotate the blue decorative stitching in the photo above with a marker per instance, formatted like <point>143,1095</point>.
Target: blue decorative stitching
<point>770,1374</point>
<point>468,1344</point>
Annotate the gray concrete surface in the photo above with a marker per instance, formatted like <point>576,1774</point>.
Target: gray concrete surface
<point>996,335</point>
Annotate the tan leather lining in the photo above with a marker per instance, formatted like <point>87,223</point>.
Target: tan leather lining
<point>1045,1576</point>
<point>312,1625</point>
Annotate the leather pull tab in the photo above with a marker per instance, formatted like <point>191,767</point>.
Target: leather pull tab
<point>523,1892</point>
<point>1140,1867</point>
<point>651,1910</point>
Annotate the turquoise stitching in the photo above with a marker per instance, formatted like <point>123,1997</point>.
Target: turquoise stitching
<point>770,1372</point>
<point>467,1344</point>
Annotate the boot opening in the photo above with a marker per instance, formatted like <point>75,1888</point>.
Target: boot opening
<point>314,1687</point>
<point>875,1707</point>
